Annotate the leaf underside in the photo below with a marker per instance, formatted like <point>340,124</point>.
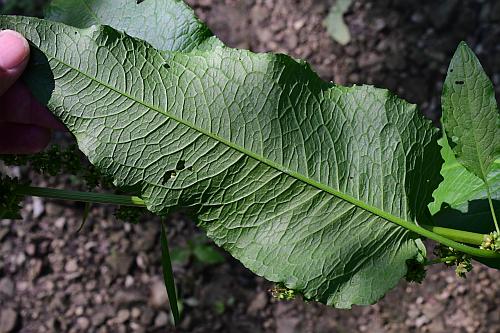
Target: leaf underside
<point>470,113</point>
<point>280,168</point>
<point>166,25</point>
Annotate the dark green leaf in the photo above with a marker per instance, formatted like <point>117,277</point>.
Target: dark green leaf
<point>180,255</point>
<point>460,201</point>
<point>299,179</point>
<point>165,24</point>
<point>207,254</point>
<point>470,113</point>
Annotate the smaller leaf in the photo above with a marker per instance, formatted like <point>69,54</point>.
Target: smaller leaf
<point>470,113</point>
<point>207,254</point>
<point>180,255</point>
<point>85,216</point>
<point>460,201</point>
<point>168,275</point>
<point>166,24</point>
<point>335,24</point>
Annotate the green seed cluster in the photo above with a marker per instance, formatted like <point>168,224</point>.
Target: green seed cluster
<point>9,201</point>
<point>463,267</point>
<point>491,242</point>
<point>129,214</point>
<point>283,293</point>
<point>56,160</point>
<point>461,260</point>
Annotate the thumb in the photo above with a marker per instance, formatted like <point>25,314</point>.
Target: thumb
<point>14,54</point>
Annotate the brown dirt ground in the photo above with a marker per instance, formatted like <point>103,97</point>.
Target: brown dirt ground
<point>107,278</point>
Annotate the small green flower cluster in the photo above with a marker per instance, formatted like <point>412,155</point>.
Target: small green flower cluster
<point>129,214</point>
<point>491,242</point>
<point>56,160</point>
<point>461,260</point>
<point>53,161</point>
<point>9,201</point>
<point>282,293</point>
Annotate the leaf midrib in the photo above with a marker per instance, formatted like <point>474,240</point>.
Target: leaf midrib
<point>299,176</point>
<point>482,167</point>
<point>374,210</point>
<point>469,116</point>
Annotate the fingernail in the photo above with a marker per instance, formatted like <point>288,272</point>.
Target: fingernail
<point>14,49</point>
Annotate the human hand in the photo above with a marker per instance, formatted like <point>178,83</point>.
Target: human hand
<point>25,125</point>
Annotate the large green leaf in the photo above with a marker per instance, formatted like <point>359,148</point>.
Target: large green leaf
<point>470,113</point>
<point>460,201</point>
<point>297,178</point>
<point>165,24</point>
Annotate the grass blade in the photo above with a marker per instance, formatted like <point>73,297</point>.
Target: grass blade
<point>85,216</point>
<point>168,275</point>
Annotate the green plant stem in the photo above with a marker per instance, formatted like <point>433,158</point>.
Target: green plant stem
<point>445,236</point>
<point>101,198</point>
<point>457,235</point>
<point>441,260</point>
<point>492,209</point>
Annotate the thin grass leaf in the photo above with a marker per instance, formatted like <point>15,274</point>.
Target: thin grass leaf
<point>85,216</point>
<point>168,275</point>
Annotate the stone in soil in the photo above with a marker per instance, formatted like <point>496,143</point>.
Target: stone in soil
<point>147,316</point>
<point>120,263</point>
<point>128,297</point>
<point>161,319</point>
<point>8,320</point>
<point>71,266</point>
<point>258,303</point>
<point>158,295</point>
<point>83,323</point>
<point>7,287</point>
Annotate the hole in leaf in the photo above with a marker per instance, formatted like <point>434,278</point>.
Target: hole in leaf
<point>459,82</point>
<point>168,175</point>
<point>139,1</point>
<point>167,66</point>
<point>180,165</point>
<point>451,70</point>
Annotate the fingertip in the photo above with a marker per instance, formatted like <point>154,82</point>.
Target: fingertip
<point>14,54</point>
<point>14,51</point>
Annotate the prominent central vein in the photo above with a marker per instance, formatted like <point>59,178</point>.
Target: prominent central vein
<point>374,210</point>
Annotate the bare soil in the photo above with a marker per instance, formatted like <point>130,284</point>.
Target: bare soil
<point>107,278</point>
